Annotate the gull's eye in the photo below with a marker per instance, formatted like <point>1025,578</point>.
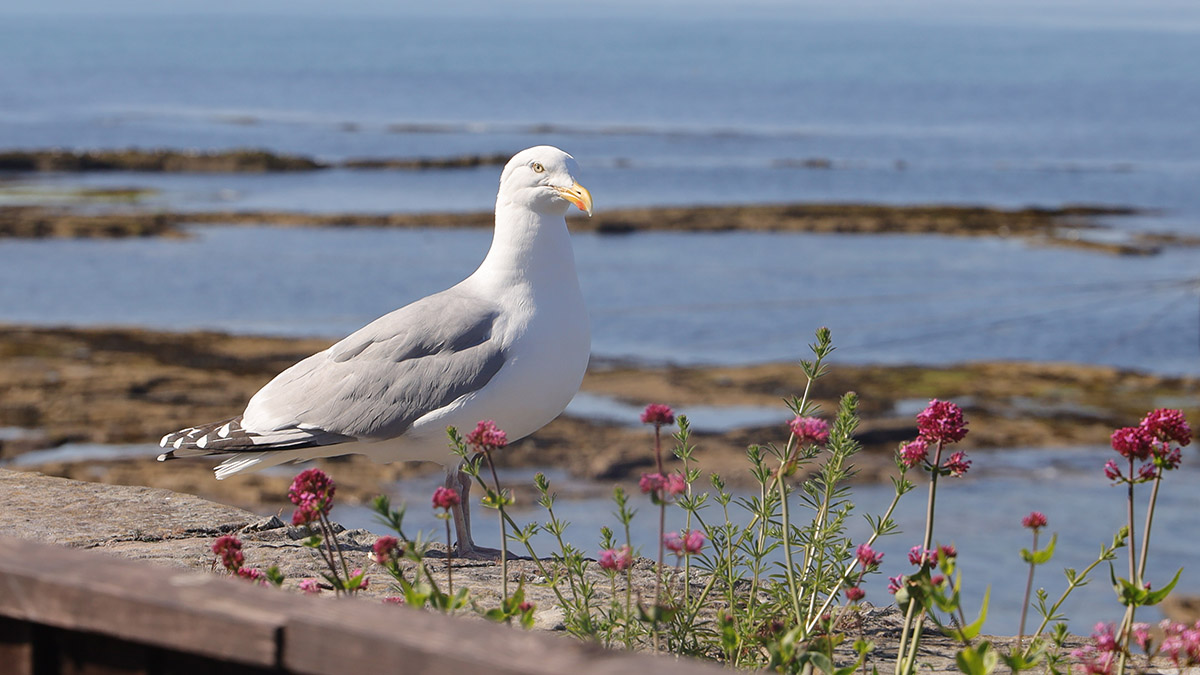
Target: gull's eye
<point>537,167</point>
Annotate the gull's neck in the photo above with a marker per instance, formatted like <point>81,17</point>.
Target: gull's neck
<point>529,250</point>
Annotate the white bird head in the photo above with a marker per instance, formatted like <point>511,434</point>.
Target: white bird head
<point>542,179</point>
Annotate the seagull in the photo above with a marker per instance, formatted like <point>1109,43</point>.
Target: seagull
<point>510,343</point>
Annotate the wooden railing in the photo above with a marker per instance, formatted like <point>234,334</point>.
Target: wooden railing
<point>66,610</point>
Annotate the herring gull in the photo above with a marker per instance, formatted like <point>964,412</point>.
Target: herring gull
<point>509,343</point>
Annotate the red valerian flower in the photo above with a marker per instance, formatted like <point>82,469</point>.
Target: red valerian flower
<point>310,586</point>
<point>487,437</point>
<point>652,482</point>
<point>385,548</point>
<point>658,414</point>
<point>1036,520</point>
<point>252,574</point>
<point>895,583</point>
<point>1112,471</point>
<point>616,559</point>
<point>676,484</point>
<point>868,557</point>
<point>1167,424</point>
<point>445,498</point>
<point>919,556</point>
<point>312,492</point>
<point>958,464</point>
<point>1132,442</point>
<point>810,430</point>
<point>229,549</point>
<point>854,594</point>
<point>947,551</point>
<point>687,543</point>
<point>942,421</point>
<point>914,452</point>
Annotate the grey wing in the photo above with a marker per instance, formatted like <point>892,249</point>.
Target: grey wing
<point>375,383</point>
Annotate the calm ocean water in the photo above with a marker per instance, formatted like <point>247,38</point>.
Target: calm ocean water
<point>1030,104</point>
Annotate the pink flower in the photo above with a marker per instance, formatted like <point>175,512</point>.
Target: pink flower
<point>895,583</point>
<point>658,415</point>
<point>1147,472</point>
<point>942,421</point>
<point>1167,424</point>
<point>854,594</point>
<point>1112,471</point>
<point>676,484</point>
<point>393,600</point>
<point>937,580</point>
<point>445,498</point>
<point>312,492</point>
<point>616,559</point>
<point>957,464</point>
<point>1105,640</point>
<point>1167,456</point>
<point>918,556</point>
<point>947,551</point>
<point>1132,442</point>
<point>1141,635</point>
<point>385,548</point>
<point>310,586</point>
<point>914,452</point>
<point>1094,662</point>
<point>1036,520</point>
<point>251,574</point>
<point>652,482</point>
<point>810,430</point>
<point>868,557</point>
<point>229,549</point>
<point>687,543</point>
<point>1181,643</point>
<point>525,606</point>
<point>366,581</point>
<point>487,437</point>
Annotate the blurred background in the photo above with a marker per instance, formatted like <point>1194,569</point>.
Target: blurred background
<point>999,105</point>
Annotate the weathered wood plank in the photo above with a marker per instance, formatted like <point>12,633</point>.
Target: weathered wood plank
<point>138,602</point>
<point>379,638</point>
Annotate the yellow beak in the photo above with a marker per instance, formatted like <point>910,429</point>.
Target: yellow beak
<point>577,195</point>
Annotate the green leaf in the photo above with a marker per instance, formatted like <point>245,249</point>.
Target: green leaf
<point>970,631</point>
<point>978,660</point>
<point>819,660</point>
<point>1043,556</point>
<point>1155,597</point>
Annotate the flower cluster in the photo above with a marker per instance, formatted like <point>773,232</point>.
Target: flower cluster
<point>1181,643</point>
<point>1036,520</point>
<point>387,548</point>
<point>659,486</point>
<point>868,557</point>
<point>487,437</point>
<point>1099,658</point>
<point>658,414</point>
<point>1151,443</point>
<point>446,498</point>
<point>616,559</point>
<point>940,423</point>
<point>809,430</point>
<point>310,586</point>
<point>229,549</point>
<point>312,493</point>
<point>685,543</point>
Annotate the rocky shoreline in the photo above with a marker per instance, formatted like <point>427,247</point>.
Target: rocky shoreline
<point>121,385</point>
<point>1066,226</point>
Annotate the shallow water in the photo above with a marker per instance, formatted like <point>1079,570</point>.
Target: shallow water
<point>730,298</point>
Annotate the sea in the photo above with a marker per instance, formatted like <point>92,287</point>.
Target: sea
<point>997,104</point>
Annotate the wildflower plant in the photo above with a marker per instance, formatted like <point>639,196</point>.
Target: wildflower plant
<point>778,591</point>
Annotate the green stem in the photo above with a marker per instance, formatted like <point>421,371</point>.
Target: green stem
<point>1028,591</point>
<point>790,568</point>
<point>903,663</point>
<point>503,531</point>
